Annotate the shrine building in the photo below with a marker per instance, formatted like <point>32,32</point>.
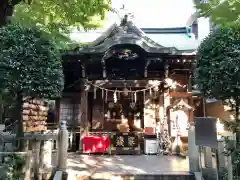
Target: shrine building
<point>125,90</point>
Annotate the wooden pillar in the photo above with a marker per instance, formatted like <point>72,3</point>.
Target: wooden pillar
<point>84,117</point>
<point>189,89</point>
<point>191,111</point>
<point>72,142</point>
<point>166,101</point>
<point>57,111</point>
<point>161,110</point>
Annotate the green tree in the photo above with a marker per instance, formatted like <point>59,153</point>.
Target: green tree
<point>30,66</point>
<point>218,68</point>
<point>56,17</point>
<point>59,17</point>
<point>220,11</point>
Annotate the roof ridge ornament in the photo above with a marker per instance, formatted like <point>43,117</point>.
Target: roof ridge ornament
<point>123,14</point>
<point>124,20</point>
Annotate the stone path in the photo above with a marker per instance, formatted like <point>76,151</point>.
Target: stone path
<point>97,165</point>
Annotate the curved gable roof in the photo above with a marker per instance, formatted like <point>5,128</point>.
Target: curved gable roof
<point>125,33</point>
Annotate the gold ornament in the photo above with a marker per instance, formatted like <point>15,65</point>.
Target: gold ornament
<point>131,141</point>
<point>120,141</point>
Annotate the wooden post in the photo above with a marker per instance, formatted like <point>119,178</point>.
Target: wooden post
<point>161,111</point>
<point>57,111</point>
<point>84,116</point>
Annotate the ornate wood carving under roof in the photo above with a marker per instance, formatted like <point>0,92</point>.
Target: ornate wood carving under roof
<point>181,104</point>
<point>124,34</point>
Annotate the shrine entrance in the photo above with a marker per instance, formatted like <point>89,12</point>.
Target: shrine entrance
<point>127,83</point>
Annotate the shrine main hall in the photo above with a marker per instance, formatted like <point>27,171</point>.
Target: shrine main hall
<point>125,91</point>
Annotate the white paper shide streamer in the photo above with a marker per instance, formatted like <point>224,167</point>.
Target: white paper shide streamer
<point>135,97</point>
<point>125,91</point>
<point>95,93</point>
<point>115,96</point>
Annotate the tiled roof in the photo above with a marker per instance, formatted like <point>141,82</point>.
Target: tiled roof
<point>155,40</point>
<point>168,37</point>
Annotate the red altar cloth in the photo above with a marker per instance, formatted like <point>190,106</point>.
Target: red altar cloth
<point>96,144</point>
<point>149,130</point>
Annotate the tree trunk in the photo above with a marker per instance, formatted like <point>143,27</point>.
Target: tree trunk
<point>6,10</point>
<point>238,122</point>
<point>1,114</point>
<point>23,144</point>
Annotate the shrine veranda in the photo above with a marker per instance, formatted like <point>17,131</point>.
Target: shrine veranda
<point>124,89</point>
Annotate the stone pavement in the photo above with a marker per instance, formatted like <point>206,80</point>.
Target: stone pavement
<point>97,165</point>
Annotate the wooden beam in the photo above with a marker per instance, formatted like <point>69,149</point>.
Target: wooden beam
<point>180,94</point>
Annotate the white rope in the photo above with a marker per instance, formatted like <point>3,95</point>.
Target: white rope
<point>11,124</point>
<point>123,91</point>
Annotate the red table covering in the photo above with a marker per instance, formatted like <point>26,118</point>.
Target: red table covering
<point>96,144</point>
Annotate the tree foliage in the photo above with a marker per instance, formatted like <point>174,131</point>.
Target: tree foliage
<point>29,64</point>
<point>218,67</point>
<point>218,64</point>
<point>220,11</point>
<point>56,17</point>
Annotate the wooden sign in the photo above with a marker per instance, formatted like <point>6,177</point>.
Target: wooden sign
<point>34,116</point>
<point>206,132</point>
<point>125,143</point>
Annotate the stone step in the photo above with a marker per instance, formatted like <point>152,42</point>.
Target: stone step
<point>163,176</point>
